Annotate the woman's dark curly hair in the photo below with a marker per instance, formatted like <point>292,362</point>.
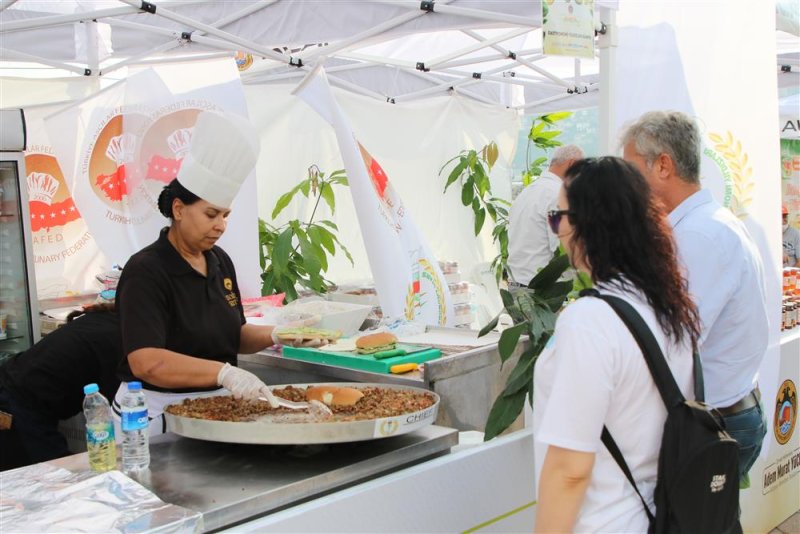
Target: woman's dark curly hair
<point>170,192</point>
<point>625,237</point>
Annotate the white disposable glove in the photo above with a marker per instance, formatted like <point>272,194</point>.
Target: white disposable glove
<point>244,384</point>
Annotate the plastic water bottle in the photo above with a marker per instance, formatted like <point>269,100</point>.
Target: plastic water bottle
<point>99,430</point>
<point>135,429</point>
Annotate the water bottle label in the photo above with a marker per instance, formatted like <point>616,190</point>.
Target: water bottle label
<point>100,433</point>
<point>135,420</point>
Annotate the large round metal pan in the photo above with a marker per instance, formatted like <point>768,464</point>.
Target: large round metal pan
<point>270,432</point>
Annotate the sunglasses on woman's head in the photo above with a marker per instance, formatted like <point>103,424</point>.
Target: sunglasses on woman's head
<point>554,218</point>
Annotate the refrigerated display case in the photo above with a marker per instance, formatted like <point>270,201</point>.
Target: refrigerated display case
<point>19,325</point>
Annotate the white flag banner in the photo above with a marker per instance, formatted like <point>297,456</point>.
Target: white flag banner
<point>407,276</point>
<point>122,145</point>
<point>65,254</point>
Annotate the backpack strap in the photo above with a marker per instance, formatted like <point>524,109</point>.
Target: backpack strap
<point>662,376</point>
<point>612,447</point>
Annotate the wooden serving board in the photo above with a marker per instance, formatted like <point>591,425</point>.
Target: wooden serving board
<point>364,362</point>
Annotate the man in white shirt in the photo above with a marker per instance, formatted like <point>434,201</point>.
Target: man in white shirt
<point>723,268</point>
<point>531,243</point>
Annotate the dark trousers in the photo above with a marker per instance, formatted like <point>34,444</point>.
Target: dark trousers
<point>32,438</point>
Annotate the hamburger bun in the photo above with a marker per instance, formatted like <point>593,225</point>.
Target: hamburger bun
<point>372,343</point>
<point>334,396</point>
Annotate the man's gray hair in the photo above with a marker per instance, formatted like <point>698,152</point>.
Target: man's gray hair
<point>566,153</point>
<point>667,132</point>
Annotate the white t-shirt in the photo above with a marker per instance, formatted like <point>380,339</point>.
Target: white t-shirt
<point>592,373</point>
<point>531,243</point>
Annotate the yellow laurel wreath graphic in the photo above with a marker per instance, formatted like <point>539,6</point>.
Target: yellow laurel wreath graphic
<point>741,172</point>
<point>409,310</point>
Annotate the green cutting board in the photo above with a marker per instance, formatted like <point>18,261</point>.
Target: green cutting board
<point>364,362</point>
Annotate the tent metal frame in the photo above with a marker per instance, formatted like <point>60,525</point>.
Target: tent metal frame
<point>211,37</point>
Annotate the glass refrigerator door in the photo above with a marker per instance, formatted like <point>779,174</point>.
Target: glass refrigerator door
<point>19,321</point>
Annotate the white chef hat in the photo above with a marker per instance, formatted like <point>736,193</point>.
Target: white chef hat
<point>224,150</point>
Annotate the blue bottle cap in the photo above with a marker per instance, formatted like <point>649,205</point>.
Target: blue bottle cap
<point>134,386</point>
<point>88,389</point>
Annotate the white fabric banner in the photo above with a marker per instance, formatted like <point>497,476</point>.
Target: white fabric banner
<point>694,58</point>
<point>407,276</point>
<point>122,145</point>
<point>65,254</point>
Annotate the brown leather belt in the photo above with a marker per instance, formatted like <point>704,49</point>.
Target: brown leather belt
<point>748,401</point>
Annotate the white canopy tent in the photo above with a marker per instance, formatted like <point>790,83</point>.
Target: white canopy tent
<point>390,50</point>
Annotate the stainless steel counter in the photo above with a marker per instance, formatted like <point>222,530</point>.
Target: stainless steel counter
<point>229,483</point>
<point>468,382</point>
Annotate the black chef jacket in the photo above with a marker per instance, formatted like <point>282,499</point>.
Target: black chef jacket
<point>165,303</point>
<point>49,377</point>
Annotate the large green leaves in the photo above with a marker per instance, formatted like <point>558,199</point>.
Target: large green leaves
<point>297,253</point>
<point>533,310</point>
<point>505,411</point>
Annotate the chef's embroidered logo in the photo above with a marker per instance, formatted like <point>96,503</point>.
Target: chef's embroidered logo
<point>228,283</point>
<point>785,417</point>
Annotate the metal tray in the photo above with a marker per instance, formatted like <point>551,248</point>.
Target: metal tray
<point>270,432</point>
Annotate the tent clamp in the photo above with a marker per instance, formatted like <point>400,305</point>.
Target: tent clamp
<point>476,75</point>
<point>149,7</point>
<point>390,99</point>
<point>786,68</point>
<point>186,36</point>
<point>426,5</point>
<point>512,55</point>
<point>87,72</point>
<point>577,90</point>
<point>603,29</point>
<point>421,66</point>
<point>295,62</point>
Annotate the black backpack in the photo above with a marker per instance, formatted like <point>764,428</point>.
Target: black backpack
<point>697,489</point>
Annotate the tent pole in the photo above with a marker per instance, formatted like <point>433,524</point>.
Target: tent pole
<point>608,43</point>
<point>465,12</point>
<point>22,56</point>
<point>380,28</point>
<point>172,33</point>
<point>522,61</point>
<point>6,4</point>
<point>92,53</point>
<point>482,43</point>
<point>547,100</point>
<point>243,43</point>
<point>57,20</point>
<point>483,59</point>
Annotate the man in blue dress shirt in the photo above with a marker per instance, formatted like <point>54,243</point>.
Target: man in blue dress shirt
<point>723,268</point>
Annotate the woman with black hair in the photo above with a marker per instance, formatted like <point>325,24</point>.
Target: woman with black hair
<point>181,314</point>
<point>592,373</point>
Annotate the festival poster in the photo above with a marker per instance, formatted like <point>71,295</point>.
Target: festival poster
<point>568,28</point>
<point>407,277</point>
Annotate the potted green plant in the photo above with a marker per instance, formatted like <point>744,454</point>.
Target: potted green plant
<point>471,170</point>
<point>297,252</point>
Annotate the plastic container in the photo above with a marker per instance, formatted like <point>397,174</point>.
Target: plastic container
<point>343,316</point>
<point>135,429</point>
<point>99,430</point>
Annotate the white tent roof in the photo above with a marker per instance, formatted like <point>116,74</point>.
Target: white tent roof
<point>387,49</point>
